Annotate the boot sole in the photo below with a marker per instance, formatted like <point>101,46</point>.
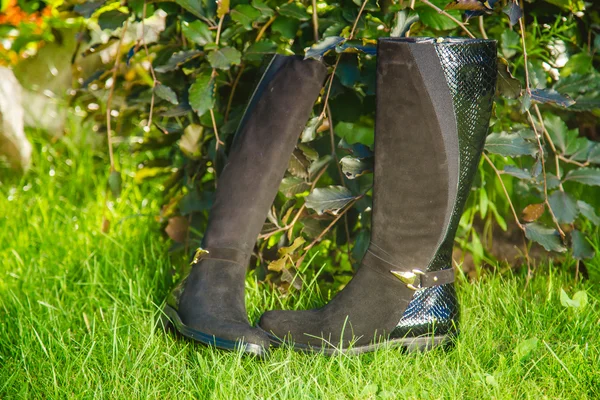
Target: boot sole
<point>211,340</point>
<point>410,344</point>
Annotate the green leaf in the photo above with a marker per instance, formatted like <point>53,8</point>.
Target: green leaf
<point>298,164</point>
<point>287,27</point>
<point>511,43</point>
<point>361,244</point>
<point>318,50</point>
<point>224,58</point>
<point>257,51</point>
<point>559,133</point>
<point>356,46</point>
<point>87,8</point>
<point>308,152</point>
<point>222,8</point>
<point>355,133</point>
<point>525,348</point>
<point>166,93</point>
<point>330,199</point>
<point>546,237</point>
<point>190,141</point>
<point>594,154</point>
<point>507,85</point>
<point>514,12</point>
<point>580,63</point>
<point>310,130</point>
<point>587,176</point>
<point>292,185</point>
<point>311,227</point>
<point>551,96</point>
<point>112,20</point>
<point>353,167</point>
<point>193,6</point>
<point>245,15</point>
<point>578,302</point>
<point>284,251</point>
<point>294,10</point>
<point>581,247</point>
<point>197,32</point>
<point>537,74</point>
<point>115,182</point>
<point>320,163</point>
<point>402,23</point>
<point>434,20</point>
<point>347,71</point>
<point>564,207</point>
<point>178,59</point>
<point>264,9</point>
<point>525,102</point>
<point>509,145</point>
<point>588,212</point>
<point>483,203</point>
<point>201,94</point>
<point>517,172</point>
<point>580,149</point>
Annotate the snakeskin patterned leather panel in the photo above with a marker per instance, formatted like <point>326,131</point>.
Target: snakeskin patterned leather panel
<point>470,70</point>
<point>432,310</point>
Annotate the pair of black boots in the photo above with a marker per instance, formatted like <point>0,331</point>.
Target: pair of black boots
<point>434,101</point>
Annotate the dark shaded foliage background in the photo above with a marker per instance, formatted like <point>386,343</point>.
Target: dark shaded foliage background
<point>175,98</point>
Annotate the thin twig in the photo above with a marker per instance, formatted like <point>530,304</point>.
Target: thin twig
<point>329,85</point>
<point>557,155</point>
<point>264,28</point>
<point>512,208</point>
<point>482,27</point>
<point>337,164</point>
<point>570,161</point>
<point>233,87</point>
<point>527,85</point>
<point>300,210</point>
<point>154,80</point>
<point>541,150</point>
<point>332,141</point>
<point>214,123</point>
<point>336,219</point>
<point>219,27</point>
<point>356,20</point>
<point>213,76</point>
<point>315,21</point>
<point>110,97</point>
<point>439,10</point>
<point>537,135</point>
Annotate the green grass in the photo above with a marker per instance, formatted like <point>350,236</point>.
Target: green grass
<point>80,312</point>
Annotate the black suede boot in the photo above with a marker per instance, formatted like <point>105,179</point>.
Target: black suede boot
<point>434,101</point>
<point>209,304</point>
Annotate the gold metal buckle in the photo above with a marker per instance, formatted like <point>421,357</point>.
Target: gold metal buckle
<point>412,279</point>
<point>199,254</point>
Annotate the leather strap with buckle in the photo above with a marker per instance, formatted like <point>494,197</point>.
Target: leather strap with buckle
<point>414,279</point>
<point>417,279</point>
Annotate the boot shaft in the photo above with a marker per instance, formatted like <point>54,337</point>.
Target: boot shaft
<point>258,158</point>
<point>433,109</point>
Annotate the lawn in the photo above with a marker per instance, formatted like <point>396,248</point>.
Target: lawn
<point>80,314</point>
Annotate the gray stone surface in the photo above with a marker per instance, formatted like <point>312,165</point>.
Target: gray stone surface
<point>15,149</point>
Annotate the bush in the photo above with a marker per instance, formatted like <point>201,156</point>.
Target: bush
<point>176,97</point>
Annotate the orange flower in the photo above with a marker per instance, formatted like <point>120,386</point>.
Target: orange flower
<point>14,15</point>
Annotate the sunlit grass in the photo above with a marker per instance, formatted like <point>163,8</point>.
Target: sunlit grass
<point>80,314</point>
